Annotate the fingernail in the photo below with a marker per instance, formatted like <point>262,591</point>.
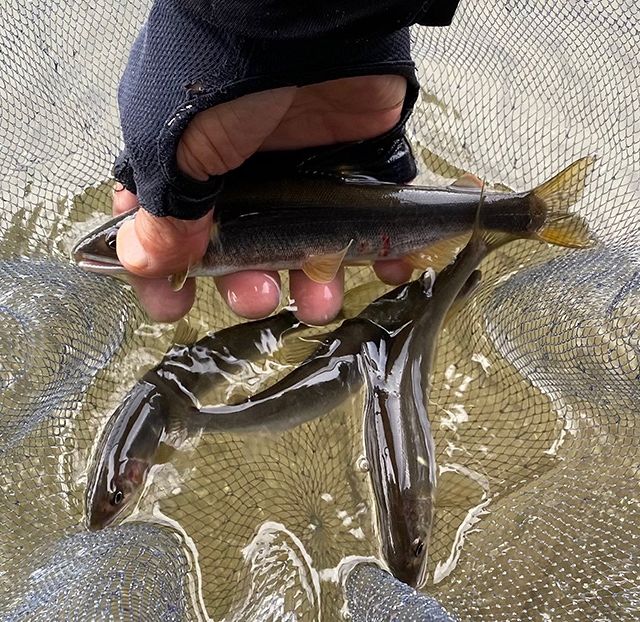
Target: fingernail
<point>129,249</point>
<point>118,187</point>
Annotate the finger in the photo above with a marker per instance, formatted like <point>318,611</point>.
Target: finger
<point>153,247</point>
<point>250,294</point>
<point>221,138</point>
<point>316,303</point>
<point>160,302</point>
<point>393,271</point>
<point>123,200</point>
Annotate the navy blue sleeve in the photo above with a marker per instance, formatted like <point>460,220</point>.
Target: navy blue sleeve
<point>194,54</point>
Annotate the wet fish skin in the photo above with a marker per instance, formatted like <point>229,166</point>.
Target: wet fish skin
<point>326,378</point>
<point>403,486</point>
<point>399,444</point>
<point>302,223</point>
<point>156,409</point>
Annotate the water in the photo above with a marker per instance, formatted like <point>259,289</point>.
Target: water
<point>533,413</point>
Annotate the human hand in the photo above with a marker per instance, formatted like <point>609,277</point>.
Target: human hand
<point>220,139</point>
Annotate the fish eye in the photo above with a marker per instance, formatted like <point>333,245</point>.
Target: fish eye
<point>418,547</point>
<point>110,239</point>
<point>117,498</point>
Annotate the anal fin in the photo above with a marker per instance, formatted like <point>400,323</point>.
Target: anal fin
<point>439,254</point>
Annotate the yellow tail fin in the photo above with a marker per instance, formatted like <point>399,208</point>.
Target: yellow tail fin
<point>558,194</point>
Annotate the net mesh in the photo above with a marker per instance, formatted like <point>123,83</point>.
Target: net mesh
<point>537,379</point>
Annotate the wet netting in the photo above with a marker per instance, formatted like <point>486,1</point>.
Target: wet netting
<point>537,385</point>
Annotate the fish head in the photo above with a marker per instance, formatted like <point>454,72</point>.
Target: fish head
<point>96,251</point>
<point>125,454</point>
<point>402,304</point>
<point>406,542</point>
<point>116,493</point>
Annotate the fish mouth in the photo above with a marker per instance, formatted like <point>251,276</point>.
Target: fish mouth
<point>96,521</point>
<point>97,264</point>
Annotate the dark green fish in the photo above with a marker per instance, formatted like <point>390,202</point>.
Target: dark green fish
<point>398,442</point>
<point>156,409</point>
<point>316,225</point>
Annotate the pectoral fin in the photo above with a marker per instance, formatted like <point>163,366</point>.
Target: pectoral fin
<point>323,268</point>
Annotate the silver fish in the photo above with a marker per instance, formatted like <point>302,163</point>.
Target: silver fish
<point>317,225</point>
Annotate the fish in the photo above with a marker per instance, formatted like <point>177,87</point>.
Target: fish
<point>317,225</point>
<point>145,427</point>
<point>333,370</point>
<point>396,360</point>
<point>399,445</point>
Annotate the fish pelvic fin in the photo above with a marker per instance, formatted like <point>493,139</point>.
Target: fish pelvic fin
<point>558,194</point>
<point>323,268</point>
<point>178,280</point>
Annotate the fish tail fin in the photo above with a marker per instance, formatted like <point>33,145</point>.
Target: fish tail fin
<point>465,293</point>
<point>185,334</point>
<point>557,195</point>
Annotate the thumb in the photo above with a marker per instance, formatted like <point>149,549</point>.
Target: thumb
<point>154,247</point>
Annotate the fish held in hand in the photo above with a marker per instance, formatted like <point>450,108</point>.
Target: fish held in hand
<point>316,225</point>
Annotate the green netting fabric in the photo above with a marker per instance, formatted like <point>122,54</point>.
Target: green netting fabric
<point>537,383</point>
